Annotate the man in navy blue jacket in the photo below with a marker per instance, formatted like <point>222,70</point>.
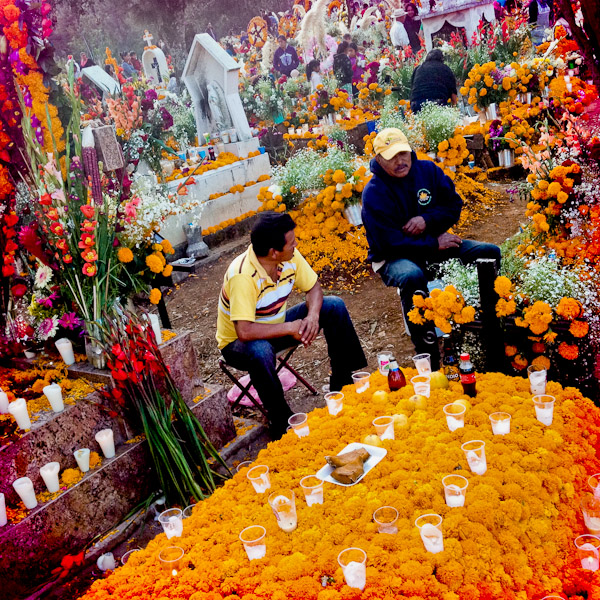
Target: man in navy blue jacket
<point>285,59</point>
<point>408,207</point>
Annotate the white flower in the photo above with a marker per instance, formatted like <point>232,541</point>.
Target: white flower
<point>43,276</point>
<point>275,190</point>
<point>339,187</point>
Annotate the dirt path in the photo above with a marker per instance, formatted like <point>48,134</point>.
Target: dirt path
<point>374,309</point>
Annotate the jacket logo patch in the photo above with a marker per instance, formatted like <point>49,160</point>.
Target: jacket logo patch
<point>424,197</point>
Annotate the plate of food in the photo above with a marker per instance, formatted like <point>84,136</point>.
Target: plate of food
<point>351,464</point>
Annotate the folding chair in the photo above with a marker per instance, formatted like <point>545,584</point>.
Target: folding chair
<point>283,356</point>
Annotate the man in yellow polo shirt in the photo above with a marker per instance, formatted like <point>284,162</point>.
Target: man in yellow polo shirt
<point>253,323</point>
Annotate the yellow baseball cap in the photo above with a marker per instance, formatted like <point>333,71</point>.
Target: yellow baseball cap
<point>389,142</point>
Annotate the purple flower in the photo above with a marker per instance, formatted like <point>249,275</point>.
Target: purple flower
<point>47,302</point>
<point>70,321</point>
<point>48,328</point>
<point>166,117</point>
<point>151,95</point>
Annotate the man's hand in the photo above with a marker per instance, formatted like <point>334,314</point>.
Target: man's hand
<point>294,329</point>
<point>446,241</point>
<point>415,226</point>
<point>309,329</point>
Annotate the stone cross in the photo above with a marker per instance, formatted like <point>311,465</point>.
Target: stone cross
<point>147,37</point>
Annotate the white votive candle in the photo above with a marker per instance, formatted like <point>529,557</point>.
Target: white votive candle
<point>82,456</point>
<point>3,402</point>
<point>175,527</point>
<point>544,415</point>
<point>454,497</point>
<point>54,394</point>
<point>107,443</point>
<point>570,89</point>
<point>65,349</point>
<point>314,497</point>
<point>432,537</point>
<point>49,474</point>
<point>355,574</point>
<point>455,423</point>
<point>592,524</point>
<point>256,552</point>
<point>154,321</point>
<point>590,563</point>
<point>302,431</point>
<point>3,519</point>
<point>24,487</point>
<point>476,464</point>
<point>18,409</point>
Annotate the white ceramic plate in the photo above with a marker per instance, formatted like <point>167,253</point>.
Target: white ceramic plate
<point>376,455</point>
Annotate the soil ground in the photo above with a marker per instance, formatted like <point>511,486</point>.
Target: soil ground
<point>375,310</point>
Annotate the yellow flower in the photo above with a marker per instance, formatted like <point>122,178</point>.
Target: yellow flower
<point>167,271</point>
<point>125,255</point>
<point>154,263</point>
<point>154,296</point>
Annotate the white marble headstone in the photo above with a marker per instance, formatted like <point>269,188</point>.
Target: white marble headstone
<point>211,76</point>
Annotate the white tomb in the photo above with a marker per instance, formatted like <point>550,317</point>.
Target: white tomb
<point>154,63</point>
<point>101,79</point>
<point>458,13</point>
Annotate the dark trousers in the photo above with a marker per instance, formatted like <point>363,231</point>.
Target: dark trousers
<point>411,278</point>
<point>258,357</point>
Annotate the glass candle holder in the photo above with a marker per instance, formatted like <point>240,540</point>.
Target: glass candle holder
<point>386,517</point>
<point>187,511</point>
<point>537,379</point>
<point>430,528</point>
<point>594,483</point>
<point>422,364</point>
<point>172,522</point>
<point>313,489</point>
<point>421,384</point>
<point>475,454</point>
<point>383,362</point>
<point>299,423</point>
<point>588,551</point>
<point>455,416</point>
<point>455,489</point>
<point>590,507</point>
<point>500,423</point>
<point>354,566</point>
<point>128,555</point>
<point>283,505</point>
<point>171,559</point>
<point>544,408</point>
<point>259,478</point>
<point>243,465</point>
<point>335,402</point>
<point>361,381</point>
<point>384,427</point>
<point>253,538</point>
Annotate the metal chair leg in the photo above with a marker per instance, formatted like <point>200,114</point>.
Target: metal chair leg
<point>244,390</point>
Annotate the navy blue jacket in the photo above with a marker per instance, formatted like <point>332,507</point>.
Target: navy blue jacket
<point>390,202</point>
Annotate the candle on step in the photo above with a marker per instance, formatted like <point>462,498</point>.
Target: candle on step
<point>24,487</point>
<point>54,394</point>
<point>3,402</point>
<point>65,348</point>
<point>107,443</point>
<point>82,456</point>
<point>3,519</point>
<point>49,474</point>
<point>18,409</point>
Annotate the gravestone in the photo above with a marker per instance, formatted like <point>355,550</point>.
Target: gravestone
<point>101,80</point>
<point>211,76</point>
<point>154,63</point>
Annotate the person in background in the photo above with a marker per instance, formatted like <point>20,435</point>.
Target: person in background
<point>128,70</point>
<point>408,207</point>
<point>347,38</point>
<point>539,15</point>
<point>173,85</point>
<point>84,61</point>
<point>135,63</point>
<point>432,81</point>
<point>358,62</point>
<point>412,25</point>
<point>230,49</point>
<point>313,74</point>
<point>211,31</point>
<point>254,323</point>
<point>342,68</point>
<point>398,35</point>
<point>285,59</point>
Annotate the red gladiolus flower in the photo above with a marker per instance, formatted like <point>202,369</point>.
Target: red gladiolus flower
<point>46,200</point>
<point>88,210</point>
<point>57,229</point>
<point>89,255</point>
<point>120,375</point>
<point>87,240</point>
<point>19,290</point>
<point>89,269</point>
<point>52,214</point>
<point>10,246</point>
<point>11,219</point>
<point>67,258</point>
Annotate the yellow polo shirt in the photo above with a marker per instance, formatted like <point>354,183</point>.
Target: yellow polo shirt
<point>249,294</point>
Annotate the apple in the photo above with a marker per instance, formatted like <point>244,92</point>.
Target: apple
<point>419,402</point>
<point>379,397</point>
<point>373,440</point>
<point>462,402</point>
<point>438,381</point>
<point>400,421</point>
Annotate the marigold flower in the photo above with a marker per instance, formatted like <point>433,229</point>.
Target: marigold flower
<point>579,329</point>
<point>125,255</point>
<point>568,308</point>
<point>568,351</point>
<point>503,286</point>
<point>154,263</point>
<point>154,296</point>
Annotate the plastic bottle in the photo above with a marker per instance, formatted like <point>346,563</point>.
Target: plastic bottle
<point>396,379</point>
<point>467,375</point>
<point>450,364</point>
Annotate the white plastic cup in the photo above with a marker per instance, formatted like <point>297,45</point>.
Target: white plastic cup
<point>544,408</point>
<point>299,423</point>
<point>361,381</point>
<point>82,456</point>
<point>422,363</point>
<point>383,362</point>
<point>253,538</point>
<point>171,558</point>
<point>106,441</point>
<point>128,554</point>
<point>386,517</point>
<point>594,483</point>
<point>537,380</point>
<point>65,349</point>
<point>187,511</point>
<point>259,478</point>
<point>18,409</point>
<point>24,487</point>
<point>313,489</point>
<point>283,505</point>
<point>354,566</point>
<point>335,402</point>
<point>455,416</point>
<point>590,507</point>
<point>3,402</point>
<point>54,394</point>
<point>475,454</point>
<point>49,474</point>
<point>3,517</point>
<point>500,423</point>
<point>172,522</point>
<point>384,427</point>
<point>243,465</point>
<point>430,528</point>
<point>422,385</point>
<point>588,548</point>
<point>455,489</point>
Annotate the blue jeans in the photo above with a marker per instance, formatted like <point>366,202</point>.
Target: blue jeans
<point>411,278</point>
<point>258,357</point>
